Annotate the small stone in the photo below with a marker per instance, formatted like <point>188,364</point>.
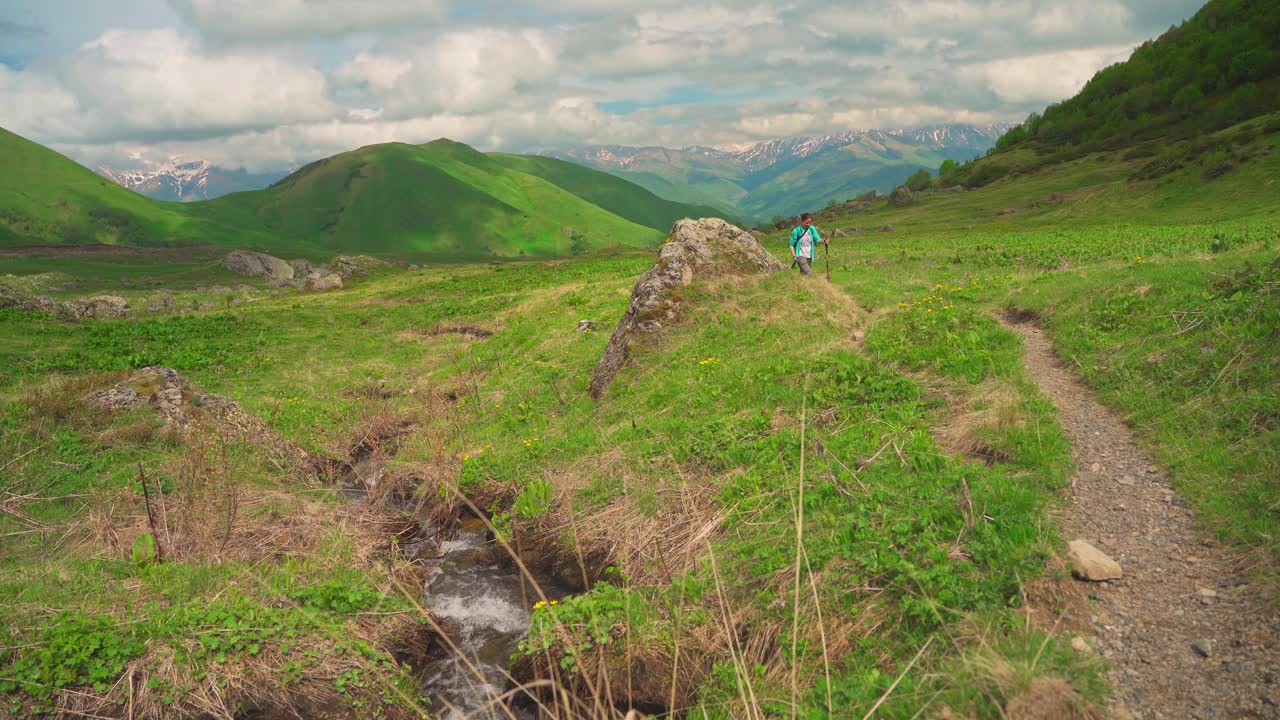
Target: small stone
<point>1090,563</point>
<point>1127,480</point>
<point>1080,645</point>
<point>1203,648</point>
<point>1207,593</point>
<point>1096,467</point>
<point>586,325</point>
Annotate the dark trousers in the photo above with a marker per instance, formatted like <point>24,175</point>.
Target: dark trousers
<point>803,262</point>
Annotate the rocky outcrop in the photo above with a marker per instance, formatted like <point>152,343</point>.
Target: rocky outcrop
<point>902,197</point>
<point>319,283</point>
<point>275,271</point>
<point>696,249</point>
<point>184,406</point>
<point>349,266</point>
<point>102,307</point>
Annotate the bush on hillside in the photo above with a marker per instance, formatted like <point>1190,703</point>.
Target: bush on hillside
<point>919,181</point>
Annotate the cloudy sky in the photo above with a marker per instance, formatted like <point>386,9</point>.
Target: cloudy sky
<point>270,84</point>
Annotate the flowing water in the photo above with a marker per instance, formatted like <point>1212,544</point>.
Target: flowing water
<point>484,606</point>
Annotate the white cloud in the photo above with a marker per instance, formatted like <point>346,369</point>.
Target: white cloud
<point>274,83</point>
<point>152,83</point>
<point>1048,77</point>
<point>776,125</point>
<point>462,72</point>
<point>273,19</point>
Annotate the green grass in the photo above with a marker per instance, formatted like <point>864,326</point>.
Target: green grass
<point>1187,350</point>
<point>908,543</point>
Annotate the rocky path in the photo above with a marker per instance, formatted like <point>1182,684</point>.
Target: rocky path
<point>1180,632</point>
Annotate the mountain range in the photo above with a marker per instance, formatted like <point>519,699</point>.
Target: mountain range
<point>784,177</point>
<point>189,180</point>
<point>441,200</point>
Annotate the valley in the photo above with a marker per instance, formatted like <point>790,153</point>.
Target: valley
<point>420,431</point>
<point>787,177</point>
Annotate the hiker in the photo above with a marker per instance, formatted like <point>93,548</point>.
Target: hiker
<point>803,241</point>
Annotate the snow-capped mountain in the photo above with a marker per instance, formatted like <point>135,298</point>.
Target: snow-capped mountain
<point>757,180</point>
<point>188,180</point>
<point>761,155</point>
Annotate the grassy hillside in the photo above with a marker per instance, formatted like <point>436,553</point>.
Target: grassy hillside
<point>618,196</point>
<point>1216,70</point>
<point>442,200</point>
<point>1225,175</point>
<point>47,198</point>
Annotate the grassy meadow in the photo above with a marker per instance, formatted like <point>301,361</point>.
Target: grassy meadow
<point>804,499</point>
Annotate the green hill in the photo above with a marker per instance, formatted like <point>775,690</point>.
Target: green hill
<point>1216,70</point>
<point>443,199</point>
<point>439,199</point>
<point>46,198</point>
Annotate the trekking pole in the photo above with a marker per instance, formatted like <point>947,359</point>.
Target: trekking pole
<point>826,256</point>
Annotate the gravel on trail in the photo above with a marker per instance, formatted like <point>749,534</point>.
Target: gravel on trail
<point>1181,632</point>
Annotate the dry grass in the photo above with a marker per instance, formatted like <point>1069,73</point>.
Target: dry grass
<point>987,411</point>
<point>653,533</point>
<point>62,400</point>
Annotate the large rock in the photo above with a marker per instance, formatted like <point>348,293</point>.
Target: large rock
<point>318,283</point>
<point>696,249</point>
<point>1090,563</point>
<point>185,407</point>
<point>302,268</point>
<point>902,197</point>
<point>349,266</point>
<point>275,271</point>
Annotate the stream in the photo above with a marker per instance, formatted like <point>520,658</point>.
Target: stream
<point>482,605</point>
<point>485,608</point>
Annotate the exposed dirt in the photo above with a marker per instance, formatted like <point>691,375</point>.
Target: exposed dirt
<point>174,254</point>
<point>1181,631</point>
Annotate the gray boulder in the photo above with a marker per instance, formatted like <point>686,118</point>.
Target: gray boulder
<point>302,268</point>
<point>349,266</point>
<point>696,249</point>
<point>275,271</point>
<point>319,283</point>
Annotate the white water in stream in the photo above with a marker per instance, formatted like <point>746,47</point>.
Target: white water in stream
<point>485,609</point>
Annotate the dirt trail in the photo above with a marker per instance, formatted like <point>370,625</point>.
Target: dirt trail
<point>1180,631</point>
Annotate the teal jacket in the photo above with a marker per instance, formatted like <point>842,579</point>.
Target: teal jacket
<point>796,236</point>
